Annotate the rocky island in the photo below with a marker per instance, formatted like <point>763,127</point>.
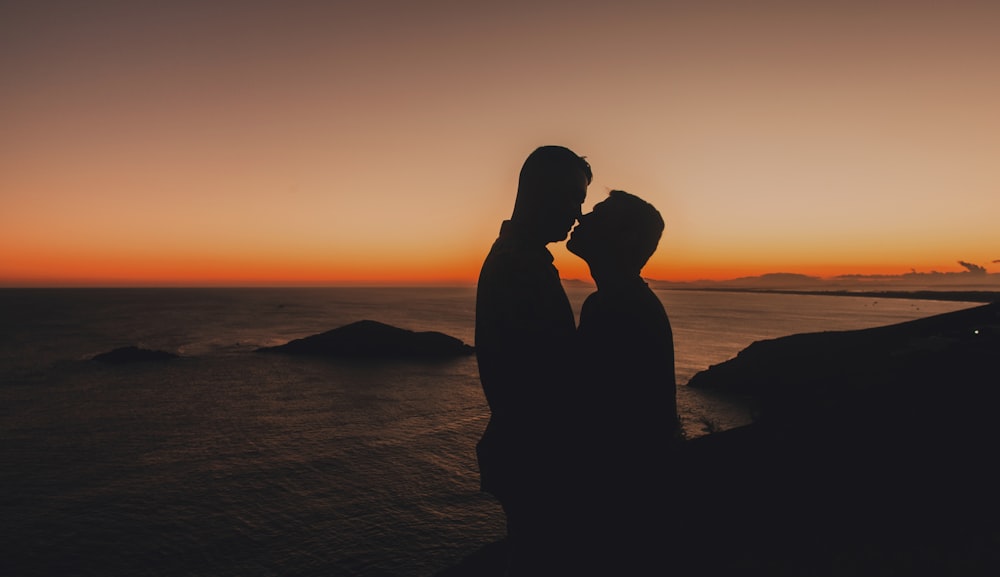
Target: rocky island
<point>133,354</point>
<point>369,339</point>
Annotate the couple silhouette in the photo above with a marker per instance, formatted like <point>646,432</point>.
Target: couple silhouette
<point>583,418</point>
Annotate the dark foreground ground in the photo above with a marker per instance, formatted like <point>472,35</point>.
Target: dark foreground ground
<point>875,453</point>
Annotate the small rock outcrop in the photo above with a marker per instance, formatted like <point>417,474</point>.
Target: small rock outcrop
<point>369,339</point>
<point>133,354</point>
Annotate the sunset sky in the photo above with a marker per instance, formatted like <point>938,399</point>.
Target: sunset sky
<point>379,141</point>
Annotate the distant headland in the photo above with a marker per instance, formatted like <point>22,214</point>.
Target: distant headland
<point>971,296</point>
<point>974,283</point>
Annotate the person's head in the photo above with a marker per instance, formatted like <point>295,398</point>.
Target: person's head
<point>551,188</point>
<point>620,233</point>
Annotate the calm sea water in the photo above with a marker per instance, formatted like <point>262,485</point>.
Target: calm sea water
<point>229,463</point>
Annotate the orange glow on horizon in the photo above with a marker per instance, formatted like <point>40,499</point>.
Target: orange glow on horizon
<point>169,270</point>
<point>166,145</point>
<point>58,269</point>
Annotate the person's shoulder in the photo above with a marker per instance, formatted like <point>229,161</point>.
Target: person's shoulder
<point>649,295</point>
<point>641,307</point>
<point>518,256</point>
<point>505,258</point>
<point>653,306</point>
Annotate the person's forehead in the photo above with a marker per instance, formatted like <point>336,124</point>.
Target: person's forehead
<point>580,185</point>
<point>564,186</point>
<point>574,177</point>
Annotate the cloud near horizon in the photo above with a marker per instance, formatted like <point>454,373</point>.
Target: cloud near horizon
<point>972,267</point>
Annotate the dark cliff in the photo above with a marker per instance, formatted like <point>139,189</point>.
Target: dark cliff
<point>934,373</point>
<point>873,453</point>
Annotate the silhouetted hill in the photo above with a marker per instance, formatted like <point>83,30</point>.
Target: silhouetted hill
<point>924,365</point>
<point>372,339</point>
<point>777,280</point>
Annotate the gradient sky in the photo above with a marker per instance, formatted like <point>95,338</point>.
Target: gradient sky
<point>379,141</point>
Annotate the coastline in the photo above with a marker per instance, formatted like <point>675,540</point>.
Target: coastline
<point>973,296</point>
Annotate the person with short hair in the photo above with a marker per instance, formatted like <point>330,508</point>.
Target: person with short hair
<point>524,338</point>
<point>626,392</point>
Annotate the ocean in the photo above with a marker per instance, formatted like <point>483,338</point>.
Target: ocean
<point>225,462</point>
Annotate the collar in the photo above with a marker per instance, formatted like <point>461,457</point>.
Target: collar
<point>514,237</point>
<point>622,286</point>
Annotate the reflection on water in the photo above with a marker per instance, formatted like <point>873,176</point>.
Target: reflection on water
<point>225,462</point>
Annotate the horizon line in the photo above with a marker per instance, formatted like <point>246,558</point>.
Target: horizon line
<point>933,277</point>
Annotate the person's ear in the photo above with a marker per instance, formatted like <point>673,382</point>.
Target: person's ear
<point>629,238</point>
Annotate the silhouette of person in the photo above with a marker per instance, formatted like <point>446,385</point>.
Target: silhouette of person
<point>525,331</point>
<point>625,400</point>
